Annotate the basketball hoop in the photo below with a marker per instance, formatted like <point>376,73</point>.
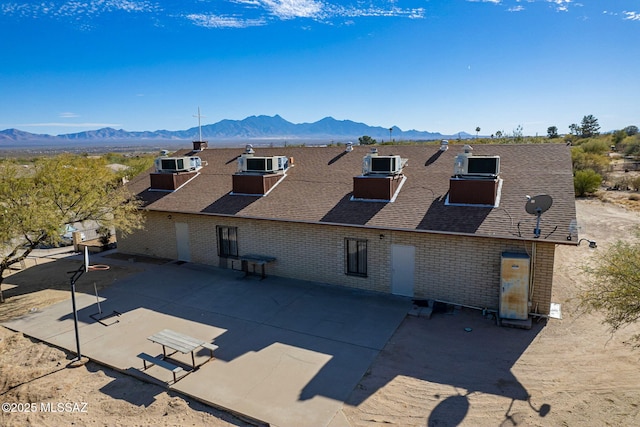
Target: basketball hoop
<point>97,267</point>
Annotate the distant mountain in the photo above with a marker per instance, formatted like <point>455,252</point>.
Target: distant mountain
<point>253,127</point>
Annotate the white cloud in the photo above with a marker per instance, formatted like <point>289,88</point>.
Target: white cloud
<point>215,21</point>
<point>561,5</point>
<point>77,9</point>
<point>516,9</point>
<point>289,9</point>
<point>68,115</point>
<point>632,16</point>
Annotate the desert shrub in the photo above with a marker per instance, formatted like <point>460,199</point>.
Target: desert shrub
<point>634,197</point>
<point>588,160</point>
<point>613,285</point>
<point>595,146</point>
<point>635,183</point>
<point>622,183</point>
<point>586,181</point>
<point>631,146</point>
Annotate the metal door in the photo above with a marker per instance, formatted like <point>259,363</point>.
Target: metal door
<point>402,269</point>
<point>514,287</point>
<point>182,241</point>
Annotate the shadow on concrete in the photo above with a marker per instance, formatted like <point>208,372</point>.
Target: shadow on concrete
<point>347,211</point>
<point>286,328</point>
<point>461,349</point>
<point>460,219</point>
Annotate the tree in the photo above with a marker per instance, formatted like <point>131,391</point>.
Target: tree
<point>631,130</point>
<point>366,140</point>
<point>552,132</point>
<point>618,136</point>
<point>477,131</point>
<point>614,285</point>
<point>37,203</point>
<point>518,133</point>
<point>575,129</point>
<point>586,181</point>
<point>589,126</point>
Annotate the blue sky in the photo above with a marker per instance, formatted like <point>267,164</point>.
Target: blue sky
<point>439,66</point>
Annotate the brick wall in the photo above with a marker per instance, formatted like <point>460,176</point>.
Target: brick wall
<point>458,269</point>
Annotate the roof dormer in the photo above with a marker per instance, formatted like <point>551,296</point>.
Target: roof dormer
<point>257,175</point>
<point>381,177</point>
<point>174,172</point>
<point>475,180</point>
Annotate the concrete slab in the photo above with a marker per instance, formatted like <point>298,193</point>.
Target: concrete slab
<point>290,352</point>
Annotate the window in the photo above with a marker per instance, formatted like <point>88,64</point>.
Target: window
<point>227,241</point>
<point>356,256</point>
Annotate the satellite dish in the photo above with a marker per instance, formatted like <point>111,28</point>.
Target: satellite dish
<point>537,206</point>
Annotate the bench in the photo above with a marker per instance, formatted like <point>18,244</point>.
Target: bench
<point>260,260</point>
<point>210,347</point>
<point>161,363</point>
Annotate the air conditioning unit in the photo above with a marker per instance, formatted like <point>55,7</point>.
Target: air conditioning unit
<point>177,164</point>
<point>272,164</point>
<point>383,165</point>
<point>467,165</point>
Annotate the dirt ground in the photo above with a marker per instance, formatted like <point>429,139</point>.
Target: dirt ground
<point>573,372</point>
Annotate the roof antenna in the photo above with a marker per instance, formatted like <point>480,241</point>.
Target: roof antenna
<point>537,206</point>
<point>199,125</point>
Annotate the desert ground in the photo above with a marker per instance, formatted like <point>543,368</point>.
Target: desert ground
<point>571,372</point>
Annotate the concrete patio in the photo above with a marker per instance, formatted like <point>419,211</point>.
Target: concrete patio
<point>290,352</point>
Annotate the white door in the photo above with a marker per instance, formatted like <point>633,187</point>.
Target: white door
<point>182,241</point>
<point>402,269</point>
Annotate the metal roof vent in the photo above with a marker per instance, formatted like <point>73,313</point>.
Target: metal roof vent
<point>349,147</point>
<point>467,149</point>
<point>248,149</point>
<point>374,151</point>
<point>444,145</point>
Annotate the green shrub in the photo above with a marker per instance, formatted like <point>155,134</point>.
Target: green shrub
<point>588,160</point>
<point>595,146</point>
<point>631,146</point>
<point>586,181</point>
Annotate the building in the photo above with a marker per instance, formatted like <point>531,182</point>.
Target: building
<point>398,221</point>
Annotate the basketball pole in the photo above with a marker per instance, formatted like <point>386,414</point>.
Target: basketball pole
<point>75,275</point>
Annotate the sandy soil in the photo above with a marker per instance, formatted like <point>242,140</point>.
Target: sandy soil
<point>569,372</point>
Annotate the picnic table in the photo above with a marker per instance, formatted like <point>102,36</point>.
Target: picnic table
<point>181,343</point>
<point>260,260</point>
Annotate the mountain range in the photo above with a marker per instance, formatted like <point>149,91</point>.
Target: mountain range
<point>253,127</point>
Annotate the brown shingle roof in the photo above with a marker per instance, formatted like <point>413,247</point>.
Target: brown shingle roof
<point>319,186</point>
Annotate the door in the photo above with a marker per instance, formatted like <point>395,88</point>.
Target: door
<point>402,269</point>
<point>182,241</point>
<point>514,287</point>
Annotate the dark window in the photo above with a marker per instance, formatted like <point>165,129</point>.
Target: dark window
<point>227,241</point>
<point>482,165</point>
<point>356,256</point>
<point>255,164</point>
<point>382,164</point>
